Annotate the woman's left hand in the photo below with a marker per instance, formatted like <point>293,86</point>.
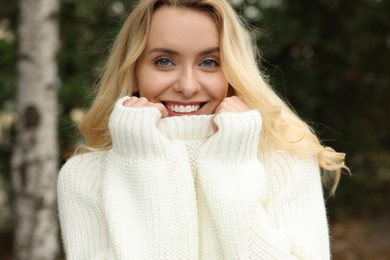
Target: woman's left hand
<point>231,104</point>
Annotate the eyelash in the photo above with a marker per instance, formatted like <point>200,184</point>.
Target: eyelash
<point>216,63</point>
<point>157,61</point>
<point>164,67</point>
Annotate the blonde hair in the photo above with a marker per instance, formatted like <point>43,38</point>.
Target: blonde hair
<point>282,130</point>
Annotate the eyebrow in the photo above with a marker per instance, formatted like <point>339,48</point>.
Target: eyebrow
<point>172,52</point>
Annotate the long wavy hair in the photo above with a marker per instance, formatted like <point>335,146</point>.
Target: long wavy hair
<point>282,130</point>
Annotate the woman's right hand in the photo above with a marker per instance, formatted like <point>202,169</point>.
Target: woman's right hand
<point>133,128</point>
<point>143,102</point>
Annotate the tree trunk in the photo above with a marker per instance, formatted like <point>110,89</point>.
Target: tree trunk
<point>35,156</point>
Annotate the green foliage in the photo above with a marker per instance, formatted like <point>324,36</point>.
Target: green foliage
<point>84,25</point>
<point>329,60</point>
<point>8,20</point>
<point>87,31</point>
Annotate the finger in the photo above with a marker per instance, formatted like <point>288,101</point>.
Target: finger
<point>225,106</point>
<point>130,102</point>
<point>141,102</point>
<point>232,104</point>
<point>161,107</point>
<point>237,104</point>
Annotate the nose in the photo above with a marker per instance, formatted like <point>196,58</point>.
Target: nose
<point>187,83</point>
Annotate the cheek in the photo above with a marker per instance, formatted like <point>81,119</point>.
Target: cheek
<point>218,87</point>
<point>144,87</point>
<point>151,84</point>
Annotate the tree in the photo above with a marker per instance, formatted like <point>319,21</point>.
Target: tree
<point>35,157</point>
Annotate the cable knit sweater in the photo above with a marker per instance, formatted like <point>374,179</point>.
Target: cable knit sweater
<point>172,189</point>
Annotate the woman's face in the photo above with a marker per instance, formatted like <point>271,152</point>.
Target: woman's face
<point>181,66</point>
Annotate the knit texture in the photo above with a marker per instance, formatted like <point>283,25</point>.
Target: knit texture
<point>172,189</point>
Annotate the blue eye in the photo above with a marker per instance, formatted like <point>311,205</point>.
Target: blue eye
<point>163,63</point>
<point>210,64</point>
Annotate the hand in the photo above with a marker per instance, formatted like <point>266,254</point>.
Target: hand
<point>143,102</point>
<point>230,104</point>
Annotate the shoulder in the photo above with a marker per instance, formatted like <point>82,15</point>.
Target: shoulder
<point>81,172</point>
<point>287,171</point>
<point>83,164</point>
<point>287,162</point>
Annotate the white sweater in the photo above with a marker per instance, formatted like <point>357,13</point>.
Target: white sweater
<point>172,189</point>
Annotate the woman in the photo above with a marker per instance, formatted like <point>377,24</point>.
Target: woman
<point>189,153</point>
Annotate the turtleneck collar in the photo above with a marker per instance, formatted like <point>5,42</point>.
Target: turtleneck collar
<point>186,127</point>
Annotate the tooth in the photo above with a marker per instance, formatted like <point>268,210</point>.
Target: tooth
<point>183,109</point>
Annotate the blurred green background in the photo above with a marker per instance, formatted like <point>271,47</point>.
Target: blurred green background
<point>328,58</point>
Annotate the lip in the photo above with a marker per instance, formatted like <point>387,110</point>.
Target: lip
<point>181,103</point>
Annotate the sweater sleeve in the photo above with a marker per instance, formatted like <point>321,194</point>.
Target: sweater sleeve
<point>234,186</point>
<point>83,228</point>
<point>148,191</point>
<point>231,181</point>
<point>294,205</point>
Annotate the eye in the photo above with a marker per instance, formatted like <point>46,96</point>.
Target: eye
<point>210,64</point>
<point>163,63</point>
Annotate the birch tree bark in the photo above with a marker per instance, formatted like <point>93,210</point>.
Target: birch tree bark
<point>35,156</point>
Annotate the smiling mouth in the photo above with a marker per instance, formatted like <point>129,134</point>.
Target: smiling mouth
<point>176,109</point>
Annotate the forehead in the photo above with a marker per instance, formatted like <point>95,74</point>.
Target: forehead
<point>182,28</point>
